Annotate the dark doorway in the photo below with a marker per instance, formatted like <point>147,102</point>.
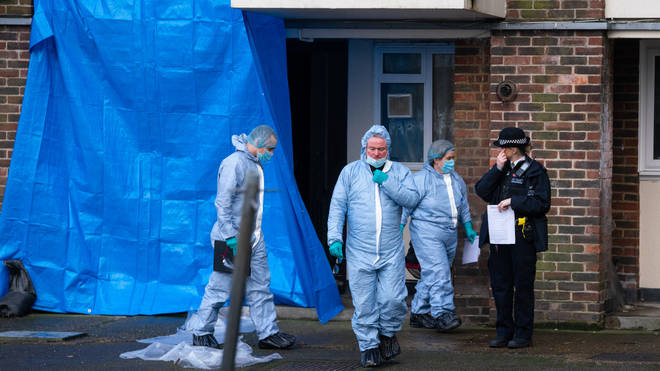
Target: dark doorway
<point>318,73</point>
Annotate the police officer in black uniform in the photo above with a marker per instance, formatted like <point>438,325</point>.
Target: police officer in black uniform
<point>519,182</point>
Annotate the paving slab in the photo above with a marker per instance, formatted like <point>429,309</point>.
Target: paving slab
<point>40,335</point>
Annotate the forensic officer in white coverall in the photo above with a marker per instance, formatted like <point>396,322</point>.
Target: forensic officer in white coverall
<point>251,152</point>
<point>369,196</point>
<point>442,206</point>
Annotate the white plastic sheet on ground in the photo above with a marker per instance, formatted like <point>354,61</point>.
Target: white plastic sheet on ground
<point>178,347</point>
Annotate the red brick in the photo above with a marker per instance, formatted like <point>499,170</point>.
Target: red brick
<point>583,296</point>
<point>572,98</point>
<point>572,80</point>
<point>573,41</point>
<point>587,108</point>
<point>530,69</point>
<point>516,60</point>
<point>589,14</point>
<point>558,126</point>
<point>595,61</point>
<point>546,59</point>
<point>556,88</point>
<point>497,41</point>
<point>589,51</point>
<point>531,88</point>
<point>596,41</point>
<point>573,155</point>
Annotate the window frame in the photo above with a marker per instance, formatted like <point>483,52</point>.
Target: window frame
<point>427,50</point>
<point>647,166</point>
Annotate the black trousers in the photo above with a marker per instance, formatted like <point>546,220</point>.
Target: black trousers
<point>512,270</point>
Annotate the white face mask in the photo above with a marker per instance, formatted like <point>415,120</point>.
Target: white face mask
<point>376,163</point>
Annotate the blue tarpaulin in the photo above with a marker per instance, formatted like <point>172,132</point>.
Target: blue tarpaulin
<point>128,110</point>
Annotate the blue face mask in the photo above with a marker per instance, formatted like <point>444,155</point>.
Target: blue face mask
<point>264,157</point>
<point>376,163</point>
<point>448,166</point>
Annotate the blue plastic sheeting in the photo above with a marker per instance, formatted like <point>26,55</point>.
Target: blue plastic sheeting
<point>128,111</point>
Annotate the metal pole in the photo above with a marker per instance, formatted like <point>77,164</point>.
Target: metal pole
<point>241,265</point>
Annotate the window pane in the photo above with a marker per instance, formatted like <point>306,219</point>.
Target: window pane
<point>403,63</point>
<point>656,112</point>
<point>402,113</point>
<point>443,97</point>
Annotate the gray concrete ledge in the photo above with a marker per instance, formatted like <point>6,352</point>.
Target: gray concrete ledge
<point>641,316</point>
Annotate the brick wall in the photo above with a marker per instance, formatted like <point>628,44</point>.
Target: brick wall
<point>545,10</point>
<point>14,58</point>
<point>625,180</point>
<point>471,133</point>
<point>559,103</point>
<point>16,8</point>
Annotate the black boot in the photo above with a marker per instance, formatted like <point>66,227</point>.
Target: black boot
<point>371,358</point>
<point>279,340</point>
<point>389,347</point>
<point>516,343</point>
<point>448,321</point>
<point>499,342</point>
<point>289,337</point>
<point>422,320</point>
<point>206,341</point>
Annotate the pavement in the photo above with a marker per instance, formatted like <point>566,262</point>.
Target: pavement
<point>324,347</point>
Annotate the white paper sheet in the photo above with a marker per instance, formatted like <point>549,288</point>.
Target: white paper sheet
<point>471,251</point>
<point>501,227</point>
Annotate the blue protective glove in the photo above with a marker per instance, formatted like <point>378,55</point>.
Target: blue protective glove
<point>232,243</point>
<point>379,176</point>
<point>471,234</point>
<point>335,250</point>
<point>402,226</point>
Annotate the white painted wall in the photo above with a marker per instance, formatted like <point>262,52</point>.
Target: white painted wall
<point>633,34</point>
<point>352,4</point>
<point>649,238</point>
<point>632,9</point>
<point>360,107</point>
<point>492,7</point>
<point>378,9</point>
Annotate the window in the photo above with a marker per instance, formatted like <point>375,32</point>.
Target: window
<point>414,97</point>
<point>649,108</point>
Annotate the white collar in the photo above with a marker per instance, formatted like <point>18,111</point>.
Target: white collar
<point>514,163</point>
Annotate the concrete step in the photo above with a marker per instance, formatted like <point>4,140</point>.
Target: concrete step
<point>640,316</point>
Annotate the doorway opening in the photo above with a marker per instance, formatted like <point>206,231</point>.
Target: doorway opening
<point>318,74</point>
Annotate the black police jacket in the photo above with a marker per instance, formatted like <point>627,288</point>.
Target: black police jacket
<point>529,198</point>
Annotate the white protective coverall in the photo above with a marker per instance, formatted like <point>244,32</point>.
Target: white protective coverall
<point>228,202</point>
<point>443,204</point>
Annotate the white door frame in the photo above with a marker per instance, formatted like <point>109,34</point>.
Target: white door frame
<point>425,77</point>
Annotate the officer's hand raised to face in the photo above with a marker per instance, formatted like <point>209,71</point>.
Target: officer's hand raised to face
<point>501,159</point>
